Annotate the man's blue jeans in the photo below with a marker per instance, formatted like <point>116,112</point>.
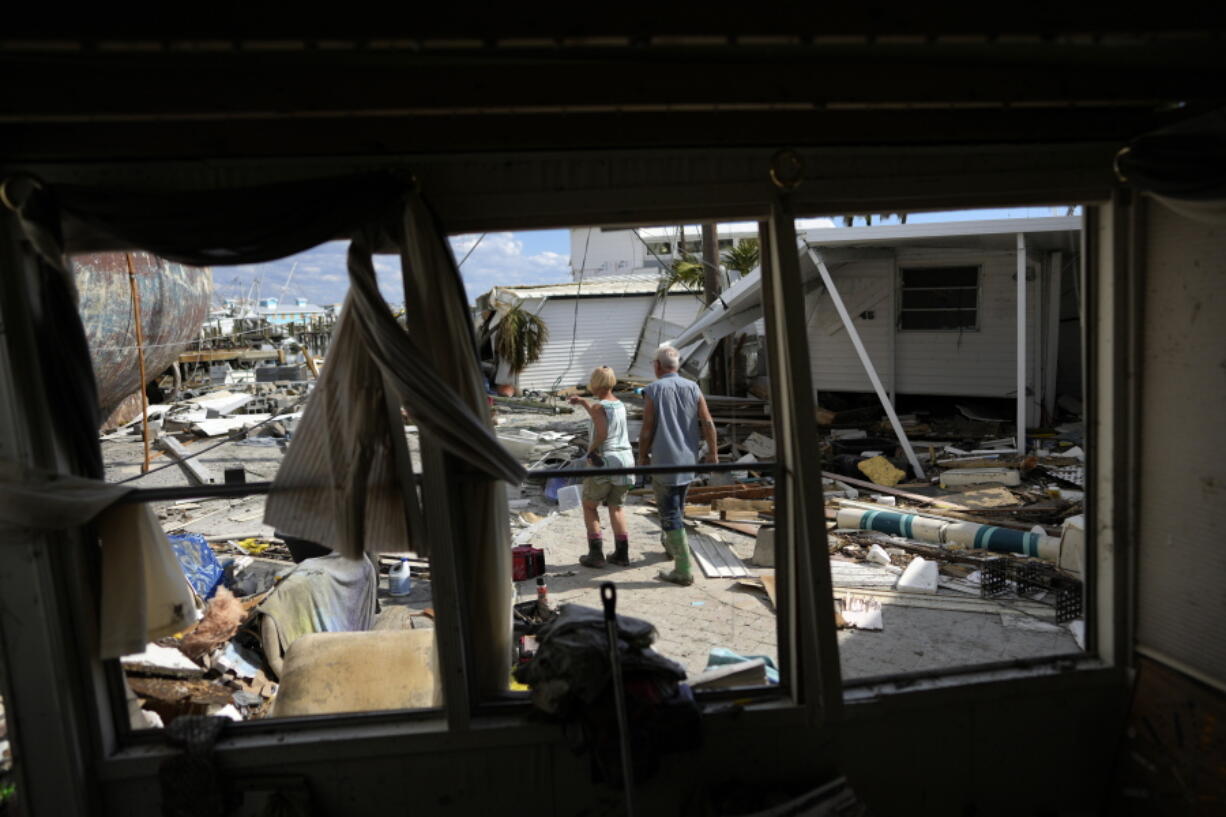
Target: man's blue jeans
<point>670,500</point>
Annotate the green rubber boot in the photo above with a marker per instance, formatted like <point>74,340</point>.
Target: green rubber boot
<point>679,546</point>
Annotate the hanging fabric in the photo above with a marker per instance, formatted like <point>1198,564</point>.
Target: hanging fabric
<point>439,323</point>
<point>145,595</point>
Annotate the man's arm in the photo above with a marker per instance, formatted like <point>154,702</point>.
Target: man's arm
<point>648,431</point>
<point>707,426</point>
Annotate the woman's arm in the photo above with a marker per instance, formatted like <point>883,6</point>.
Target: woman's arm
<point>600,428</point>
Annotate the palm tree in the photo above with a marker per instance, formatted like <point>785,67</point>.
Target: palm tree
<point>744,257</point>
<point>520,338</point>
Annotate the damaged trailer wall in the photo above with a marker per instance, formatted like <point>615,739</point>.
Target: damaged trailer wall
<point>974,362</point>
<point>587,332</point>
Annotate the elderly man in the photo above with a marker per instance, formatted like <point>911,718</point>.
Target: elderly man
<point>673,412</point>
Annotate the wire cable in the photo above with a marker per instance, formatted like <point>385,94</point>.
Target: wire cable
<point>471,250</point>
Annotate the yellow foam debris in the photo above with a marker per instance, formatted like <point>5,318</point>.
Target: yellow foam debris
<point>253,546</point>
<point>881,471</point>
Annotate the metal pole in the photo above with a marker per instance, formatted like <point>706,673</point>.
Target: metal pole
<point>1021,344</point>
<point>866,361</point>
<point>608,597</point>
<point>140,357</point>
<point>711,287</point>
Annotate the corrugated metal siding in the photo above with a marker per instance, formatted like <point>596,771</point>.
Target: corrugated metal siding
<point>974,363</point>
<point>607,331</point>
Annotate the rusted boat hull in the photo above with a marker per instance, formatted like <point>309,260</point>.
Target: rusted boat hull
<point>174,303</point>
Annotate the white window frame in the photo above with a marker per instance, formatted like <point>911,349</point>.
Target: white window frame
<point>903,268</point>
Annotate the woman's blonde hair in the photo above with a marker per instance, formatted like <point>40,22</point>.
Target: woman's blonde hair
<point>602,378</point>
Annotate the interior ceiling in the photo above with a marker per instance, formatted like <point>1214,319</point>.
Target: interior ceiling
<point>482,81</point>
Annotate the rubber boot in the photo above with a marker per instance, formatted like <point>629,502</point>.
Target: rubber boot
<point>678,544</point>
<point>621,551</point>
<point>595,552</point>
<point>668,553</point>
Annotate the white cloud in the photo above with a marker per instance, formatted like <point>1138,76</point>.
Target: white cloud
<point>500,260</point>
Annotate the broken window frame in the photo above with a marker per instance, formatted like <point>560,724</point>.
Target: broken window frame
<point>1110,319</point>
<point>903,310</point>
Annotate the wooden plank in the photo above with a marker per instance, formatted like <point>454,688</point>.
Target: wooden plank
<point>199,474</point>
<point>768,581</point>
<point>737,504</point>
<point>747,528</point>
<point>742,491</point>
<point>738,516</point>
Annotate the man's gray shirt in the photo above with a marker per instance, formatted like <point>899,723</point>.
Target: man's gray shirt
<point>676,432</point>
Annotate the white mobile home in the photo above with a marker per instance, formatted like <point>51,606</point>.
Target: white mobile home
<point>935,306</point>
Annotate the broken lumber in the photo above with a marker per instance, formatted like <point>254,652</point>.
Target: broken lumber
<point>739,516</point>
<point>198,473</point>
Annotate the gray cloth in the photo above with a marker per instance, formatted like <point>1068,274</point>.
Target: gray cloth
<point>329,594</point>
<point>675,439</point>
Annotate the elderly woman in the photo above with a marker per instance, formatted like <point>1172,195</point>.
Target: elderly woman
<point>609,447</point>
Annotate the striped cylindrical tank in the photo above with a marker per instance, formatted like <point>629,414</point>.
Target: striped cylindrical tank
<point>174,303</point>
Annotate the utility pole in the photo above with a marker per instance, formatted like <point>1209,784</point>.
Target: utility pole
<point>711,287</point>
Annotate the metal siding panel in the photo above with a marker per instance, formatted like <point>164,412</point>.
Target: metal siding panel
<point>607,331</point>
<point>1181,564</point>
<point>832,357</point>
<point>978,363</point>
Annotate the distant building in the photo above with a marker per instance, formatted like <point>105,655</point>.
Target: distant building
<point>298,312</point>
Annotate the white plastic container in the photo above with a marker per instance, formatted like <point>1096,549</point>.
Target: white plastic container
<point>400,579</point>
<point>570,497</point>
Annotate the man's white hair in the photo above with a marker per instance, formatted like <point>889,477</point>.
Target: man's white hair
<point>669,358</point>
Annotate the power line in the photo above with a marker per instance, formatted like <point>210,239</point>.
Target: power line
<point>471,249</point>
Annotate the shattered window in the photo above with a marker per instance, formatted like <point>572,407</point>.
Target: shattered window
<point>228,358</point>
<point>939,298</point>
<point>956,532</point>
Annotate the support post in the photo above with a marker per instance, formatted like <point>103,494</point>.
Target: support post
<point>814,671</point>
<point>140,359</point>
<point>711,287</point>
<point>1021,344</point>
<point>865,360</point>
<point>1051,328</point>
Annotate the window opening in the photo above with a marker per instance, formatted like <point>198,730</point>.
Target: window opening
<point>543,341</point>
<point>939,298</point>
<point>230,358</point>
<point>957,531</point>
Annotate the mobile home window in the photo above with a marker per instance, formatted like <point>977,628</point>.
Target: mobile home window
<point>939,298</point>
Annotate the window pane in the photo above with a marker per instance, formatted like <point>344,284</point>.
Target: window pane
<point>939,298</point>
<point>231,359</point>
<point>941,277</point>
<point>619,322</point>
<point>977,560</point>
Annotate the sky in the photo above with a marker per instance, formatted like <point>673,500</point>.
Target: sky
<point>499,259</point>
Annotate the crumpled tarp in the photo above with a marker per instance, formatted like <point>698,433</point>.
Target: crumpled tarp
<point>328,594</point>
<point>199,564</point>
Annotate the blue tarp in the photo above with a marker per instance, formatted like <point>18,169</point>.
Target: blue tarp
<point>201,567</point>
